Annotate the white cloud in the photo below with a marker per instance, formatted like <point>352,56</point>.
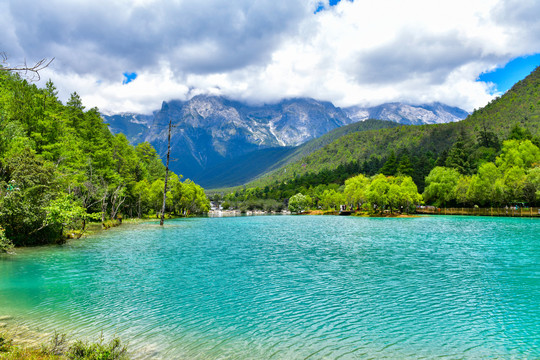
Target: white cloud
<point>361,52</point>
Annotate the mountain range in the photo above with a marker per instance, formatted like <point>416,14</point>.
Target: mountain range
<point>475,140</point>
<point>218,142</point>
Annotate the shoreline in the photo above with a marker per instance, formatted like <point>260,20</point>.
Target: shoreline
<point>33,342</point>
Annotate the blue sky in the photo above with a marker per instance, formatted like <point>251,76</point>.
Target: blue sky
<point>505,77</point>
<point>321,6</point>
<point>129,77</point>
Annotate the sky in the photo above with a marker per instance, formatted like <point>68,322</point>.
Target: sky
<point>130,55</point>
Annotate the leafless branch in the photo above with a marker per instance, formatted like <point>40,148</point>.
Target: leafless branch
<point>30,72</point>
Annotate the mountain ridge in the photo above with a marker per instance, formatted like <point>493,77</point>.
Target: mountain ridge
<point>209,131</point>
<point>519,106</point>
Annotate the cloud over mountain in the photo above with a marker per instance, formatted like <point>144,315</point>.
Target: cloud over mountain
<point>355,52</point>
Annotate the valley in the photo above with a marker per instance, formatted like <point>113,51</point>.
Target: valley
<point>212,133</point>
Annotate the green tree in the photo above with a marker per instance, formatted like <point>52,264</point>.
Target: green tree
<point>531,188</point>
<point>462,189</point>
<point>518,133</point>
<point>299,203</point>
<point>458,157</point>
<point>409,196</point>
<point>331,199</point>
<point>484,188</point>
<point>440,185</point>
<point>521,153</point>
<point>355,190</point>
<point>514,181</point>
<point>405,166</point>
<point>390,166</point>
<point>377,192</point>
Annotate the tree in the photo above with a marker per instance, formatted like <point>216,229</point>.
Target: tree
<point>377,192</point>
<point>355,190</point>
<point>162,219</point>
<point>514,182</point>
<point>519,133</point>
<point>390,166</point>
<point>28,187</point>
<point>409,195</point>
<point>405,166</point>
<point>531,188</point>
<point>440,185</point>
<point>458,157</point>
<point>5,244</point>
<point>462,189</point>
<point>298,203</point>
<point>520,153</point>
<point>331,199</point>
<point>484,188</point>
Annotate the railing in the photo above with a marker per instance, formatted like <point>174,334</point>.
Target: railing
<point>510,211</point>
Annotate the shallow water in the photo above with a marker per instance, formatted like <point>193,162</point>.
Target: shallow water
<point>292,287</point>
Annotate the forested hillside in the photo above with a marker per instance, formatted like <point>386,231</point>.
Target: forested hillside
<point>252,164</point>
<point>61,167</point>
<point>479,136</point>
<point>491,158</point>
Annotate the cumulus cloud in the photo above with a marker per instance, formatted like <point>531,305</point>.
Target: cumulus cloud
<point>356,52</point>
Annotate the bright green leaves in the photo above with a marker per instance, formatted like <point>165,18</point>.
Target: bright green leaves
<point>440,184</point>
<point>299,203</point>
<point>514,177</point>
<point>355,190</point>
<point>64,167</point>
<point>523,154</point>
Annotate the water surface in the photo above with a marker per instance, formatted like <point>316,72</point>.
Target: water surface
<point>292,287</point>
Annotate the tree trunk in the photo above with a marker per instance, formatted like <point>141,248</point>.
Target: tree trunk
<point>166,176</point>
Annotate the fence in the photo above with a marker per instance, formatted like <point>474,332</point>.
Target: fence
<point>512,212</point>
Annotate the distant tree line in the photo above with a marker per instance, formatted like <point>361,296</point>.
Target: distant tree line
<point>476,170</point>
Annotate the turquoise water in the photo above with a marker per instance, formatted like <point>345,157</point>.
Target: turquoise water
<point>292,287</point>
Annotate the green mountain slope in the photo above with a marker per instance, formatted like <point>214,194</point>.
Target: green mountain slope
<point>251,165</point>
<point>316,144</point>
<point>520,105</point>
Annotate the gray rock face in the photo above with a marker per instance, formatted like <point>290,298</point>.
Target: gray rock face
<point>435,113</point>
<point>210,131</point>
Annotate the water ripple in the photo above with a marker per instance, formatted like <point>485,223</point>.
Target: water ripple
<point>293,288</point>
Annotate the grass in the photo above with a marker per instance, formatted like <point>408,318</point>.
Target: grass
<point>60,348</point>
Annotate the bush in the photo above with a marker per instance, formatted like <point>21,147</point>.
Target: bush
<point>6,245</point>
<point>114,350</point>
<point>80,350</point>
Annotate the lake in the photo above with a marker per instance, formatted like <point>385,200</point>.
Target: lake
<point>292,287</point>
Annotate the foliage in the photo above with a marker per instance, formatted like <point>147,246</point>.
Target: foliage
<point>5,245</point>
<point>514,177</point>
<point>299,203</point>
<point>440,184</point>
<point>59,348</point>
<point>463,145</point>
<point>61,167</point>
<point>355,190</point>
<point>113,350</point>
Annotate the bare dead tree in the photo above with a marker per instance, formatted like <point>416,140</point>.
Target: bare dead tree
<point>30,72</point>
<point>166,176</point>
<point>118,199</point>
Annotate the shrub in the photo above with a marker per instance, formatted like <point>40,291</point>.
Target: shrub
<point>6,245</point>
